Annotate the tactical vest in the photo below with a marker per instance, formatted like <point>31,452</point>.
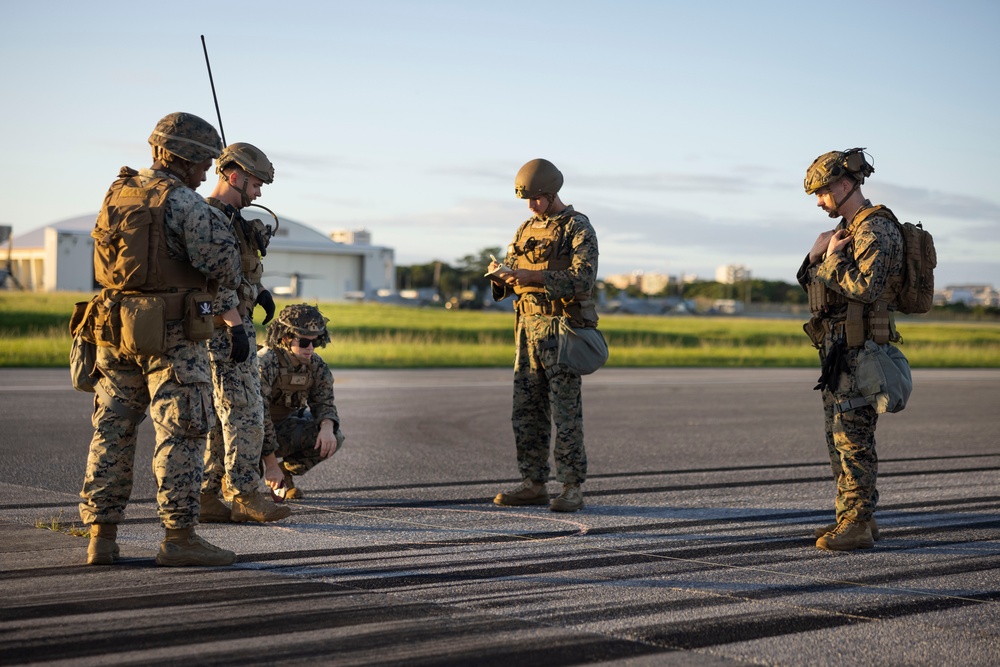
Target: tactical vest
<point>545,249</point>
<point>290,390</point>
<point>873,321</point>
<point>130,247</point>
<point>252,240</point>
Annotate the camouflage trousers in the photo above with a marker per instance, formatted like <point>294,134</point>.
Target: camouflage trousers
<point>541,399</point>
<point>850,442</point>
<point>296,436</point>
<point>175,387</point>
<point>234,444</point>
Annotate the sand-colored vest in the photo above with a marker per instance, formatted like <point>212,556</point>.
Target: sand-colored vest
<point>290,390</point>
<point>544,249</point>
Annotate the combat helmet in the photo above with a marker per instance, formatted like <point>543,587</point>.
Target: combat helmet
<point>250,158</point>
<point>299,319</point>
<point>185,136</point>
<point>828,167</point>
<point>537,178</point>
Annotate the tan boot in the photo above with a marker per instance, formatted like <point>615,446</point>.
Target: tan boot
<point>528,492</point>
<point>292,492</point>
<point>182,547</point>
<point>102,550</point>
<point>570,500</point>
<point>820,532</point>
<point>257,507</point>
<point>847,536</point>
<point>213,510</point>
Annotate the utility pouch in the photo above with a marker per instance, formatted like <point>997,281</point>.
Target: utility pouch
<point>253,268</point>
<point>815,329</point>
<point>817,296</point>
<point>144,325</point>
<point>107,323</point>
<point>83,351</point>
<point>198,321</point>
<point>854,327</point>
<point>879,328</point>
<point>578,350</point>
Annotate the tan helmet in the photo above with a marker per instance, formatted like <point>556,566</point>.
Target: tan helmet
<point>828,167</point>
<point>186,136</point>
<point>298,319</point>
<point>536,178</point>
<point>249,157</point>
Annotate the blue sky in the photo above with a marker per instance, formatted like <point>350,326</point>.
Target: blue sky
<point>683,129</point>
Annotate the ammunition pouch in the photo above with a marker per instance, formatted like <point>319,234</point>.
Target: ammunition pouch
<point>854,325</point>
<point>880,323</point>
<point>143,324</point>
<point>822,297</point>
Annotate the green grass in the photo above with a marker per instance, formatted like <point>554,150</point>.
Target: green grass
<point>33,333</point>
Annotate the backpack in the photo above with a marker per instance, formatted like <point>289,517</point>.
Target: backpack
<point>916,295</point>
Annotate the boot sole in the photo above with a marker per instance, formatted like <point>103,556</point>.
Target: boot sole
<point>507,501</point>
<point>566,508</point>
<point>214,518</point>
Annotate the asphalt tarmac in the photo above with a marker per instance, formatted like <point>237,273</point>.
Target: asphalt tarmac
<point>695,546</point>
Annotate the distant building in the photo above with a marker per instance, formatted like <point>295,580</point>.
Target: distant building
<point>301,262</point>
<point>352,236</point>
<point>731,274</point>
<point>970,295</point>
<point>647,283</point>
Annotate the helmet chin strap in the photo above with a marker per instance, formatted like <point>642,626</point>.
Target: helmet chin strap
<point>837,204</point>
<point>244,197</point>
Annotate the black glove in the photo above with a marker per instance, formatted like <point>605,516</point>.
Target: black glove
<point>834,365</point>
<point>265,301</point>
<point>241,344</point>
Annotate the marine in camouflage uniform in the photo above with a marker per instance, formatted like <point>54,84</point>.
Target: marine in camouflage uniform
<point>301,424</point>
<point>188,252</point>
<point>553,268</point>
<point>234,445</point>
<point>852,275</point>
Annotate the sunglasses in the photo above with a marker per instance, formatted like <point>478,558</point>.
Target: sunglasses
<point>307,342</point>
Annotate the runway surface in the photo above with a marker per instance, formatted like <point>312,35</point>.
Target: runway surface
<point>695,546</point>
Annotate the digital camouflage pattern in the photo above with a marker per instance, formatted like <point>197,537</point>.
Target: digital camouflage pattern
<point>175,386</point>
<point>540,399</point>
<point>291,422</point>
<point>186,136</point>
<point>869,269</point>
<point>234,445</point>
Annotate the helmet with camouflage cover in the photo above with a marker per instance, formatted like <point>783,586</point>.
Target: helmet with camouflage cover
<point>537,178</point>
<point>249,157</point>
<point>829,167</point>
<point>299,319</point>
<point>185,136</point>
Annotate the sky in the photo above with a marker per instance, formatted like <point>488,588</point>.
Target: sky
<point>683,129</point>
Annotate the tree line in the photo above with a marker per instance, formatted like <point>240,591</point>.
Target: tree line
<point>467,274</point>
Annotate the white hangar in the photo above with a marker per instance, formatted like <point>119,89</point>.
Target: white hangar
<point>301,262</point>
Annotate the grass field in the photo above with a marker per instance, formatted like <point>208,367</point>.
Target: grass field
<point>34,333</point>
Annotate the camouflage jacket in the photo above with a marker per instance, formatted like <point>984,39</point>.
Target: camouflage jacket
<point>581,275</point>
<point>868,269</point>
<point>199,234</point>
<point>318,396</point>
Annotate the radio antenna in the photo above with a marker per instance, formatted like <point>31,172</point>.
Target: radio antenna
<point>214,96</point>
